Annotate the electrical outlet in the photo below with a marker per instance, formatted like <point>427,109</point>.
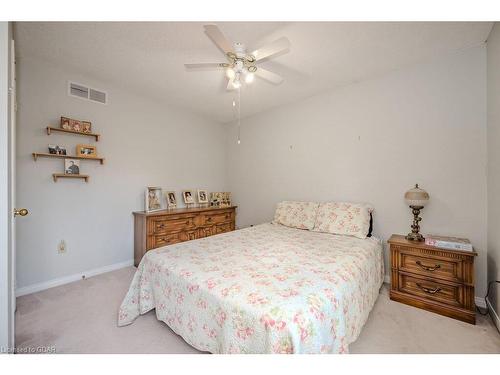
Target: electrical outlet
<point>61,248</point>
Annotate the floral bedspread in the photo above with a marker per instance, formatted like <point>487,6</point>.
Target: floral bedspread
<point>264,289</point>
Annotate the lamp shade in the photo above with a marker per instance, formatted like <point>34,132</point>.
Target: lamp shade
<point>416,197</point>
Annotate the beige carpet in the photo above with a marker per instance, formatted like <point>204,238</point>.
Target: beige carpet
<point>81,318</point>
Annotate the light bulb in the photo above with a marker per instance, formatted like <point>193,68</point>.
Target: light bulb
<point>234,103</point>
<point>230,73</point>
<point>239,142</point>
<point>236,84</point>
<point>249,78</point>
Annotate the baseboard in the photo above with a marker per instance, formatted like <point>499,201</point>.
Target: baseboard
<point>478,300</point>
<point>493,314</point>
<point>71,278</point>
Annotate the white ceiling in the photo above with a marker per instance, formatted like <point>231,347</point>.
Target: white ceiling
<point>148,57</point>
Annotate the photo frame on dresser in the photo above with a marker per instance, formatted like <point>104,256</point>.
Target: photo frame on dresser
<point>153,199</point>
<point>188,197</point>
<point>202,196</point>
<point>171,199</point>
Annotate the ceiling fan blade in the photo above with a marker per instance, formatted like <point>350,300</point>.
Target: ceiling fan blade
<point>218,38</point>
<point>205,66</point>
<point>269,76</point>
<point>278,46</point>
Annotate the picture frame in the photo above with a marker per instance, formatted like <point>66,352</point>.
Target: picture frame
<point>153,197</point>
<point>188,197</point>
<point>86,151</point>
<point>86,127</point>
<point>57,150</point>
<point>76,125</point>
<point>202,196</point>
<point>220,199</point>
<point>171,199</point>
<point>71,166</point>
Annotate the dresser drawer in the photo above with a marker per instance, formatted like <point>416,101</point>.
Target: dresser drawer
<point>189,235</point>
<point>159,225</point>
<point>217,218</point>
<point>435,267</point>
<point>206,232</point>
<point>430,289</point>
<point>164,240</point>
<point>223,228</point>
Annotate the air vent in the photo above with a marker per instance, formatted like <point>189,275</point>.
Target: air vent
<point>97,96</point>
<point>78,90</point>
<point>83,92</point>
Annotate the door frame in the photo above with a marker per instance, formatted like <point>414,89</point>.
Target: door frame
<point>6,209</point>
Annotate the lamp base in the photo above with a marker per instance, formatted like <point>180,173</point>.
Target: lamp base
<point>415,237</point>
<point>415,227</point>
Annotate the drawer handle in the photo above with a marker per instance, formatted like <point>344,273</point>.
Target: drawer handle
<point>429,290</point>
<point>161,226</point>
<point>428,268</point>
<point>187,222</point>
<point>209,219</point>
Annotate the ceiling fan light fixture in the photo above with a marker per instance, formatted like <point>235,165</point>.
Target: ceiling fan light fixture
<point>249,77</point>
<point>230,73</point>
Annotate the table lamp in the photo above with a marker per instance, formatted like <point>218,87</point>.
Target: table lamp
<point>416,198</point>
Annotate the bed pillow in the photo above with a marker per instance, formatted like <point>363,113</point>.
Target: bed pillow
<point>301,215</point>
<point>352,219</point>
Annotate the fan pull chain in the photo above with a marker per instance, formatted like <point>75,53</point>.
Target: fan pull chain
<point>239,115</point>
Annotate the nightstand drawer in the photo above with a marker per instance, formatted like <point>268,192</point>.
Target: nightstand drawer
<point>447,293</point>
<point>436,267</point>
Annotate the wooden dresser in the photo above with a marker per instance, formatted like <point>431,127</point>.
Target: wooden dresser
<point>166,227</point>
<point>433,279</point>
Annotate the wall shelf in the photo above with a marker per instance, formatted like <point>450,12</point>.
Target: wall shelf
<point>52,129</point>
<point>37,155</point>
<point>55,176</point>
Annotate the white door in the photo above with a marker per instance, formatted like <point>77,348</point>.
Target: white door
<point>12,178</point>
<point>8,212</point>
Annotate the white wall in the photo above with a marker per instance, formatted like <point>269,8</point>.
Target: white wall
<point>144,143</point>
<point>493,47</point>
<point>372,141</point>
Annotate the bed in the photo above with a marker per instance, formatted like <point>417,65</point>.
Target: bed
<point>263,289</point>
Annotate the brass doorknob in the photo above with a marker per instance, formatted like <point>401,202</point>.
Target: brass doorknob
<point>20,212</point>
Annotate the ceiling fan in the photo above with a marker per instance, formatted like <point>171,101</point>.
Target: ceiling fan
<point>241,65</point>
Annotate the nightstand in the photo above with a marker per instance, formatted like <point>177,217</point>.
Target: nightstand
<point>433,279</point>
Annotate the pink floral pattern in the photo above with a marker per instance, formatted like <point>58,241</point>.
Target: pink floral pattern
<point>352,219</point>
<point>300,215</point>
<point>265,289</point>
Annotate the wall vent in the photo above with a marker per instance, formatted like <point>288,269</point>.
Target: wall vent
<point>97,96</point>
<point>83,92</point>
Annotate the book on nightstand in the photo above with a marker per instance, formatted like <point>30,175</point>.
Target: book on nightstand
<point>451,243</point>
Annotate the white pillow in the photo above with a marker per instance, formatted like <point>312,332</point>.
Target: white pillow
<point>301,215</point>
<point>352,219</point>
